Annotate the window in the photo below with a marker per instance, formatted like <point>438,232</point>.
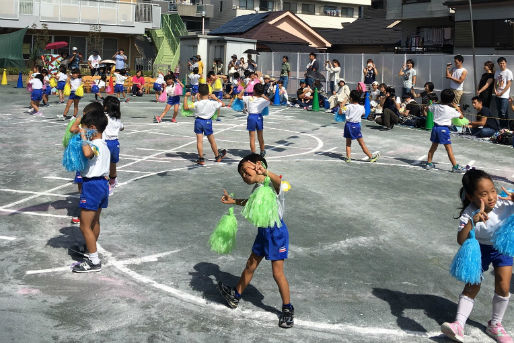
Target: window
<point>308,8</point>
<point>347,12</point>
<point>221,6</point>
<point>493,33</point>
<point>246,4</point>
<point>265,5</point>
<point>110,47</point>
<point>331,11</point>
<point>289,6</point>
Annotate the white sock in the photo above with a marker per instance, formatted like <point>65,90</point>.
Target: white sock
<point>499,306</point>
<point>94,258</point>
<point>464,309</point>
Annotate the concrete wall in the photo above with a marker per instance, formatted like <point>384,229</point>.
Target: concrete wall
<point>435,8</point>
<point>499,10</point>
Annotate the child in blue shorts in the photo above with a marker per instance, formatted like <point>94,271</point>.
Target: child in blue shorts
<point>352,127</point>
<point>194,80</point>
<point>119,87</point>
<point>75,83</point>
<point>95,189</point>
<point>110,135</point>
<point>482,206</point>
<point>255,104</point>
<point>443,115</point>
<point>158,85</point>
<point>271,243</point>
<point>37,93</point>
<point>47,89</point>
<point>61,82</point>
<point>204,111</point>
<point>173,98</point>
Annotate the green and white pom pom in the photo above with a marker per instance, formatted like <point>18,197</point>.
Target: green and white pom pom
<point>261,209</point>
<point>67,134</point>
<point>223,239</point>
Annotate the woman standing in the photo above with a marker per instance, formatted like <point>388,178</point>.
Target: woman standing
<point>334,68</point>
<point>486,84</point>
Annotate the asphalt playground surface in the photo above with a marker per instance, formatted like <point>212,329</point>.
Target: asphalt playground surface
<point>370,244</point>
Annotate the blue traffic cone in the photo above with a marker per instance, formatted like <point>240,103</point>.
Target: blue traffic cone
<point>367,106</point>
<point>276,99</point>
<point>20,81</point>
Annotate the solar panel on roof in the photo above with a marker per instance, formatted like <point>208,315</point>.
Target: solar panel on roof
<point>240,24</point>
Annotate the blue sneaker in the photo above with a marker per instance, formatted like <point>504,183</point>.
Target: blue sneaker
<point>429,166</point>
<point>458,169</point>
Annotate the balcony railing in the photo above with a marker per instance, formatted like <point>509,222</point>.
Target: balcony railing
<point>90,12</point>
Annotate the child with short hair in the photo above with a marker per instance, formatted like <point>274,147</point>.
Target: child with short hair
<point>98,86</point>
<point>75,83</point>
<point>271,243</point>
<point>204,110</point>
<point>443,115</point>
<point>194,80</point>
<point>158,85</point>
<point>119,87</point>
<point>95,189</point>
<point>62,77</point>
<point>236,82</point>
<point>255,122</point>
<point>482,206</point>
<point>36,95</point>
<point>110,135</point>
<point>47,89</point>
<point>216,84</point>
<point>173,100</point>
<point>352,127</point>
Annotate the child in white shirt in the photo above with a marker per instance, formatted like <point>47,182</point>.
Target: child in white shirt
<point>255,122</point>
<point>119,85</point>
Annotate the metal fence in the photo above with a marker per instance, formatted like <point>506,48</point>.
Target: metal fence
<point>429,67</point>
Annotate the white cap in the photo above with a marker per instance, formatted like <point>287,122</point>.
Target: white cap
<point>74,48</point>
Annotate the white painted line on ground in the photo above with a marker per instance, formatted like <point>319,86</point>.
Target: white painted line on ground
<point>8,238</point>
<point>149,258</point>
<point>33,213</point>
<point>35,196</point>
<point>50,270</point>
<point>38,193</point>
<point>419,159</point>
<point>134,171</point>
<point>471,163</point>
<point>58,178</point>
<point>147,149</point>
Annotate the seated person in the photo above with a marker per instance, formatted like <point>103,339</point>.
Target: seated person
<point>428,94</point>
<point>484,126</point>
<point>390,112</point>
<point>412,114</point>
<point>340,96</point>
<point>374,94</point>
<point>304,94</point>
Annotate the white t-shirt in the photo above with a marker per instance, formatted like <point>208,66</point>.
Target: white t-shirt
<point>75,83</point>
<point>484,230</point>
<point>501,78</point>
<point>255,105</point>
<point>443,114</point>
<point>120,79</point>
<point>95,61</point>
<point>100,83</point>
<point>333,73</point>
<point>62,77</point>
<point>99,164</point>
<point>194,79</point>
<point>113,128</point>
<point>375,94</point>
<point>36,84</point>
<point>280,198</point>
<point>354,112</point>
<point>407,76</point>
<point>46,79</point>
<point>170,90</point>
<point>457,73</point>
<point>205,109</point>
<point>160,79</point>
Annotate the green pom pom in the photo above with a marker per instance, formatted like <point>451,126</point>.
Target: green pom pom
<point>190,112</point>
<point>67,134</point>
<point>223,239</point>
<point>460,122</point>
<point>261,209</point>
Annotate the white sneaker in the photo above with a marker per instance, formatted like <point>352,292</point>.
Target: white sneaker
<point>60,117</point>
<point>38,114</point>
<point>297,106</point>
<point>30,111</point>
<point>328,111</point>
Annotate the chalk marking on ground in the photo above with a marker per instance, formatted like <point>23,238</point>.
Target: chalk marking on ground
<point>419,160</point>
<point>34,196</point>
<point>33,213</point>
<point>58,178</point>
<point>471,163</point>
<point>39,193</point>
<point>8,238</point>
<point>49,270</point>
<point>134,171</point>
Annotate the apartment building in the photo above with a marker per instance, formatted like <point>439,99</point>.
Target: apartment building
<point>85,24</point>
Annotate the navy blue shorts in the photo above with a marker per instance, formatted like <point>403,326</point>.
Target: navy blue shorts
<point>254,122</point>
<point>95,89</point>
<point>114,148</point>
<point>174,100</point>
<point>73,96</point>
<point>118,88</point>
<point>157,87</point>
<point>352,130</point>
<point>235,90</point>
<point>78,178</point>
<point>95,193</point>
<point>203,126</point>
<point>491,255</point>
<point>60,85</point>
<point>194,89</point>
<point>36,95</point>
<point>48,90</point>
<point>219,94</point>
<point>440,135</point>
<point>272,242</point>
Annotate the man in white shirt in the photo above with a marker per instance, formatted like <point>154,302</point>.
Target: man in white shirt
<point>457,76</point>
<point>94,63</point>
<point>502,83</point>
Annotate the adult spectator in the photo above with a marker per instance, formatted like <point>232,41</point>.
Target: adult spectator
<point>312,69</point>
<point>251,65</point>
<point>94,63</point>
<point>428,94</point>
<point>138,82</point>
<point>408,75</point>
<point>370,72</point>
<point>412,114</point>
<point>233,67</point>
<point>502,83</point>
<point>64,59</point>
<point>390,110</point>
<point>304,95</point>
<point>120,59</point>
<point>242,66</point>
<point>285,71</point>
<point>200,65</point>
<point>486,84</point>
<point>268,87</point>
<point>484,126</point>
<point>456,75</point>
<point>340,96</point>
<point>217,66</point>
<point>333,68</point>
<point>75,59</point>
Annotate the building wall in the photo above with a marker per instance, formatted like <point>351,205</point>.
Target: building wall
<point>396,9</point>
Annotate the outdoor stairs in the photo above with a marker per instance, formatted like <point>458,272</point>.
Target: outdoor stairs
<point>167,41</point>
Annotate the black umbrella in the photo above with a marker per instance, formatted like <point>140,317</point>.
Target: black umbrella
<point>251,51</point>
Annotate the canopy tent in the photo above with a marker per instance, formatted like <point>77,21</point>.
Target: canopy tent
<point>11,49</point>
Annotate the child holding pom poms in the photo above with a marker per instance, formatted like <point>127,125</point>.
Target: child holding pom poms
<point>271,242</point>
<point>483,208</point>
